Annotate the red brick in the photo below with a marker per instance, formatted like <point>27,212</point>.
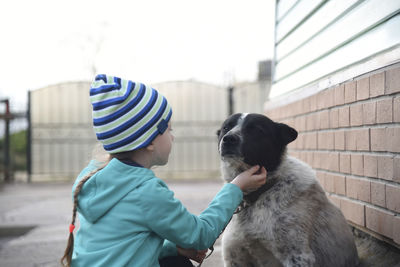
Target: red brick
<point>339,140</point>
<point>313,103</point>
<point>300,141</point>
<point>356,115</point>
<point>309,157</point>
<point>333,161</point>
<point>300,123</point>
<point>345,166</point>
<point>334,118</point>
<point>377,84</point>
<point>369,113</point>
<point>317,120</point>
<point>393,197</point>
<point>393,139</point>
<point>370,166</point>
<point>353,211</point>
<point>396,229</point>
<point>351,140</point>
<point>344,117</point>
<point>362,139</point>
<point>321,178</point>
<point>350,92</point>
<point>306,105</point>
<point>396,171</point>
<point>378,194</point>
<point>378,139</point>
<point>385,167</point>
<point>339,183</point>
<point>396,109</point>
<point>326,140</point>
<point>324,119</point>
<point>363,89</point>
<point>339,95</point>
<point>335,200</point>
<point>384,111</point>
<point>364,191</point>
<point>392,81</point>
<point>351,187</point>
<point>317,160</point>
<point>310,140</point>
<point>310,122</point>
<point>329,183</point>
<point>330,97</point>
<point>358,189</point>
<point>379,221</point>
<point>321,96</point>
<point>357,164</point>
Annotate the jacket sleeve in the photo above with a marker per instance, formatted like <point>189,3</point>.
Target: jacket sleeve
<point>166,216</point>
<point>168,249</point>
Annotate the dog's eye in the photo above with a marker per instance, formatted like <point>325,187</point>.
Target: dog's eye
<point>256,129</point>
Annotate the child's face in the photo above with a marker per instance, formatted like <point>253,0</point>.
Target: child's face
<point>162,147</point>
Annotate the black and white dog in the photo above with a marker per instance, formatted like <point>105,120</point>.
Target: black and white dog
<point>289,221</point>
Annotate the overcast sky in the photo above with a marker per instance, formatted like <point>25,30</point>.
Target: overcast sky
<point>46,42</point>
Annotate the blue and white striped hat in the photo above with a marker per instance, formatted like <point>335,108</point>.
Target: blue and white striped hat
<point>127,115</point>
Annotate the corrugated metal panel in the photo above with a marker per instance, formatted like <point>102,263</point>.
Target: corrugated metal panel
<point>62,135</point>
<point>63,139</point>
<point>337,35</point>
<point>198,111</point>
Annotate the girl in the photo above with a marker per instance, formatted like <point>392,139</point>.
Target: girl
<point>129,217</point>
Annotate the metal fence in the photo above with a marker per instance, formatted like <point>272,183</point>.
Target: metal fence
<point>62,138</point>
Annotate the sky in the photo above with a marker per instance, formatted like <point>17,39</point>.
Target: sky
<point>46,42</point>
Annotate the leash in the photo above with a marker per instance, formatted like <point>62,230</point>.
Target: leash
<point>242,206</point>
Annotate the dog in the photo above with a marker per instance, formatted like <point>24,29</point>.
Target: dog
<point>288,221</point>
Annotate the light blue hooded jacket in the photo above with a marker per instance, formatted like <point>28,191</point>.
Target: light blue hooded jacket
<point>129,217</point>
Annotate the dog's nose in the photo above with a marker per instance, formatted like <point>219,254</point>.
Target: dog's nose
<point>231,139</point>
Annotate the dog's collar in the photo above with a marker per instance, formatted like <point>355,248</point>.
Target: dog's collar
<point>253,196</point>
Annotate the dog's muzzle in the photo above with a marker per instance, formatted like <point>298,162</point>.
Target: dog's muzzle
<point>230,145</point>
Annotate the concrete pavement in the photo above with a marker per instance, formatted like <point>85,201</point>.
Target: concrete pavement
<point>34,220</point>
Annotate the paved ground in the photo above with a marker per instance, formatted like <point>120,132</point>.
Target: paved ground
<point>34,219</point>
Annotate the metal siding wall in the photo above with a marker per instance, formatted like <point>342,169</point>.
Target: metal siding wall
<point>62,134</point>
<point>336,35</point>
<point>198,111</point>
<point>63,139</point>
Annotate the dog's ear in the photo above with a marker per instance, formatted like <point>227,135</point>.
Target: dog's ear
<point>287,133</point>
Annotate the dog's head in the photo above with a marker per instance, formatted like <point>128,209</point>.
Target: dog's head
<point>253,139</point>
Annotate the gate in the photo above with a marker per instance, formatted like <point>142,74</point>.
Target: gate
<point>62,138</point>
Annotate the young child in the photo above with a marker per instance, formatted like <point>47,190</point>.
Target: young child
<point>127,216</point>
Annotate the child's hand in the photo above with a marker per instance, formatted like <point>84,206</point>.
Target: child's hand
<point>196,255</point>
<point>251,179</point>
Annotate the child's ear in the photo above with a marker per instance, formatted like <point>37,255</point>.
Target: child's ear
<point>150,147</point>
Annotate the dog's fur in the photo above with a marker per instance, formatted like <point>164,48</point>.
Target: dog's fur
<point>289,221</point>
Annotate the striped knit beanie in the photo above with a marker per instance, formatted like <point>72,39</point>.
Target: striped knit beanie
<point>127,115</point>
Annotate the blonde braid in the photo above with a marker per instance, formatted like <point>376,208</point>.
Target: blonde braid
<point>66,259</point>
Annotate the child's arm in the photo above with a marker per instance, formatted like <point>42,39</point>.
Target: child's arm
<point>167,217</point>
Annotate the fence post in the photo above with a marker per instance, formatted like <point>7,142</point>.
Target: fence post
<point>7,118</point>
<point>230,100</point>
<point>29,140</point>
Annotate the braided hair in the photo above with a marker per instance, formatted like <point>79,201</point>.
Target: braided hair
<point>66,259</point>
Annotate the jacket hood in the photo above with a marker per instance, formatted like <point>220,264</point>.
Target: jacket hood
<point>108,186</point>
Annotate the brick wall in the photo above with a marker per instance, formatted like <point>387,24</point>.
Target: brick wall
<point>350,135</point>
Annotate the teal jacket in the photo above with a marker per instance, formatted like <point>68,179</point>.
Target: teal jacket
<point>129,217</point>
